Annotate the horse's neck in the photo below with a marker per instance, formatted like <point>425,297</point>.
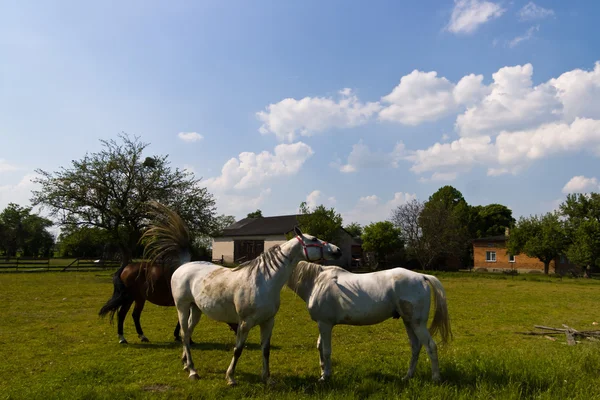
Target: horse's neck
<point>302,281</point>
<point>292,254</point>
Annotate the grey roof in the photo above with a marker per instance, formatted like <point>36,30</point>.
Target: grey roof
<point>279,225</point>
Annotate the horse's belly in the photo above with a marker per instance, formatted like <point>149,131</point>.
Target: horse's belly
<point>365,316</point>
<point>219,311</point>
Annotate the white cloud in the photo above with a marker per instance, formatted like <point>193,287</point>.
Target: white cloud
<point>512,103</point>
<point>315,198</point>
<point>511,151</point>
<point>581,184</point>
<point>18,193</point>
<point>370,209</point>
<point>250,170</point>
<point>6,167</point>
<point>423,96</point>
<point>419,97</point>
<point>468,15</point>
<point>291,118</point>
<point>190,137</point>
<point>240,205</point>
<point>528,35</point>
<point>579,92</point>
<point>362,157</point>
<point>531,11</point>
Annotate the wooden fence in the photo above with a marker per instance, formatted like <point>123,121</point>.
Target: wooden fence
<point>28,264</point>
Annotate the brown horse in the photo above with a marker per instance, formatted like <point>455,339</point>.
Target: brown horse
<point>137,283</point>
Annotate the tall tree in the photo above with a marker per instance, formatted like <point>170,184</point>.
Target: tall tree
<point>406,217</point>
<point>542,237</point>
<point>582,224</point>
<point>110,189</point>
<point>444,221</point>
<point>255,214</point>
<point>325,223</point>
<point>354,229</point>
<point>25,232</point>
<point>382,238</point>
<point>489,220</point>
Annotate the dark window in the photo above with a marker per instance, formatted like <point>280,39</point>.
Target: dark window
<point>246,250</point>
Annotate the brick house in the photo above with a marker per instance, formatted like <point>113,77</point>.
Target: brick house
<point>489,254</point>
<point>248,238</point>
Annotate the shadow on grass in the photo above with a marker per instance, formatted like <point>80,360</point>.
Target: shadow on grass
<point>197,346</point>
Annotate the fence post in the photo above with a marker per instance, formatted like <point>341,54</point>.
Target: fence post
<point>17,264</point>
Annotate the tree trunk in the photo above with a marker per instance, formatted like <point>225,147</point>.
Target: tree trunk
<point>546,267</point>
<point>126,255</point>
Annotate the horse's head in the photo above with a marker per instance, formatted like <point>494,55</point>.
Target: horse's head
<point>315,249</point>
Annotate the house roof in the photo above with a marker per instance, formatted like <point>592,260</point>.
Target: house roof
<point>279,225</point>
<point>499,238</point>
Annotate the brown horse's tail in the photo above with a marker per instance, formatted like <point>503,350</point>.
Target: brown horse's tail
<point>120,296</point>
<point>167,238</point>
<point>441,319</point>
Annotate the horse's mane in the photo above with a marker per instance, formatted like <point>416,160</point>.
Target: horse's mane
<point>270,259</point>
<point>168,239</point>
<point>304,271</point>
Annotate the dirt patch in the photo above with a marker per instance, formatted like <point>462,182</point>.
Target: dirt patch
<point>156,388</point>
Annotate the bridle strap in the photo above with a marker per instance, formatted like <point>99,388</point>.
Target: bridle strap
<point>305,246</point>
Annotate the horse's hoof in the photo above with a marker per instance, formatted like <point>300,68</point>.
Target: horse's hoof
<point>194,377</point>
<point>185,368</point>
<point>231,382</point>
<point>323,379</point>
<point>122,341</point>
<point>144,339</point>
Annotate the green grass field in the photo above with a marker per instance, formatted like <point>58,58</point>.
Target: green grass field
<point>53,345</point>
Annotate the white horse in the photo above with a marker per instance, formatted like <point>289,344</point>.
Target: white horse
<point>248,295</point>
<point>335,296</point>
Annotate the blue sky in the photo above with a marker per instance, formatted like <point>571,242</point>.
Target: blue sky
<point>356,105</point>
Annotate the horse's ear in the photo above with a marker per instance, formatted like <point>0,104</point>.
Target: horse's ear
<point>297,231</point>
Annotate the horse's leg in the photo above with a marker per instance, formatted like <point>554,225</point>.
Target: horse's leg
<point>122,314</point>
<point>415,347</point>
<point>241,336</point>
<point>186,358</point>
<point>136,314</point>
<point>321,359</point>
<point>266,329</point>
<point>325,335</point>
<point>426,340</point>
<point>194,319</point>
<point>177,332</point>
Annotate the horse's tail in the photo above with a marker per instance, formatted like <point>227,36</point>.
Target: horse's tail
<point>168,237</point>
<point>120,296</point>
<point>441,319</point>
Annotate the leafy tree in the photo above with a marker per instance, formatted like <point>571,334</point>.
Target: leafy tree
<point>110,190</point>
<point>382,238</point>
<point>490,220</point>
<point>444,232</point>
<point>322,222</point>
<point>85,241</point>
<point>22,231</point>
<point>582,212</point>
<point>542,237</point>
<point>255,214</point>
<point>444,221</point>
<point>354,229</point>
<point>406,217</point>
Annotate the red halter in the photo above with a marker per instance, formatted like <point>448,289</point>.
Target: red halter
<point>304,246</point>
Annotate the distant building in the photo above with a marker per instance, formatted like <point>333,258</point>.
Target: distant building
<point>248,238</point>
<point>490,254</point>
